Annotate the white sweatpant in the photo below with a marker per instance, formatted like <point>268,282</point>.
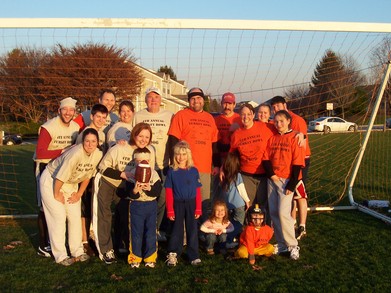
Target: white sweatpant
<point>280,206</point>
<point>57,215</point>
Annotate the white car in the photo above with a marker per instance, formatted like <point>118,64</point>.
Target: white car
<point>331,124</point>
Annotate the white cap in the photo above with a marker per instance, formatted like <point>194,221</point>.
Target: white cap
<point>68,102</point>
<point>153,89</point>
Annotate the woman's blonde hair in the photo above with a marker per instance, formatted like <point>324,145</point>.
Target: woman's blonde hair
<point>178,148</point>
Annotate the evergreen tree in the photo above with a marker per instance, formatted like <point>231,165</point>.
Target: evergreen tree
<point>334,81</point>
<point>168,70</point>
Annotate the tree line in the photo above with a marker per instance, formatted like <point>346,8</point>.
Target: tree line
<point>32,81</point>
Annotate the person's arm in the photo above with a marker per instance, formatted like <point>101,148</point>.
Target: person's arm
<point>75,197</point>
<point>229,228</point>
<point>170,204</point>
<point>58,195</point>
<point>80,120</point>
<point>243,194</point>
<point>112,173</point>
<point>43,143</point>
<point>294,179</point>
<point>171,142</point>
<point>205,227</point>
<point>198,210</point>
<point>155,190</point>
<point>216,158</point>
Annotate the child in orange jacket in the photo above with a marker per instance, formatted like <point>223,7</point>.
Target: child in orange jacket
<point>255,237</point>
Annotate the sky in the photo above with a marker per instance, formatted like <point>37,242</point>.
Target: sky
<point>314,10</point>
<point>231,70</point>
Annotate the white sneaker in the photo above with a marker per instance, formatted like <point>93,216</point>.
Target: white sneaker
<point>196,262</point>
<point>294,252</point>
<point>135,265</point>
<point>150,265</point>
<point>171,259</point>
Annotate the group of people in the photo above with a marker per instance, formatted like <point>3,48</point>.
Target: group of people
<point>206,174</point>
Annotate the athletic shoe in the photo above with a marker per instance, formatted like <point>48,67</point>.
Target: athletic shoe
<point>150,265</point>
<point>171,259</point>
<point>231,245</point>
<point>45,251</point>
<point>294,252</point>
<point>108,257</point>
<point>196,262</point>
<point>135,265</point>
<point>301,232</point>
<point>67,261</point>
<point>210,251</point>
<point>83,257</point>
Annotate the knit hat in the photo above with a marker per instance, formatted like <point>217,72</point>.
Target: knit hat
<point>68,102</point>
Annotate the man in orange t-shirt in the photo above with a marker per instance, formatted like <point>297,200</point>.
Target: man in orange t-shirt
<point>198,128</point>
<point>227,122</point>
<point>297,123</point>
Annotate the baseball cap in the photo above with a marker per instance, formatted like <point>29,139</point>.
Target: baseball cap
<point>228,98</point>
<point>153,89</point>
<point>195,91</point>
<point>68,102</point>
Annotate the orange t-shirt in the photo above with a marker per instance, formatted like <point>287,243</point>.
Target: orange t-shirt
<point>200,131</point>
<point>299,124</point>
<point>251,144</point>
<point>253,238</point>
<point>283,151</point>
<point>224,125</point>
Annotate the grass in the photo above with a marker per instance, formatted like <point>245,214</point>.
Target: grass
<point>343,252</point>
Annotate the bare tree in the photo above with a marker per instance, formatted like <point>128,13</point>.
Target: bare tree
<point>83,70</point>
<point>20,83</point>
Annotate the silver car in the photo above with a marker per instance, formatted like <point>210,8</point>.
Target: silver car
<point>331,124</point>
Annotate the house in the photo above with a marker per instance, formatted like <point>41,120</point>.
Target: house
<point>174,93</point>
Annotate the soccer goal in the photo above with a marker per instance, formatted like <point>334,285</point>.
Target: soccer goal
<point>322,68</point>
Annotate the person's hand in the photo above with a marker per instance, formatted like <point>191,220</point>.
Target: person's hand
<point>219,231</point>
<point>287,192</point>
<point>251,259</point>
<point>221,175</point>
<point>172,218</point>
<point>275,178</point>
<point>196,217</point>
<point>145,186</point>
<point>60,197</point>
<point>74,198</point>
<point>247,205</point>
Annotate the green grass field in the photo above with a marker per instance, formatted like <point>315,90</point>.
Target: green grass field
<point>345,251</point>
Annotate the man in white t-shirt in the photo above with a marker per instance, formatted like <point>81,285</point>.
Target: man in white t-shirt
<point>54,136</point>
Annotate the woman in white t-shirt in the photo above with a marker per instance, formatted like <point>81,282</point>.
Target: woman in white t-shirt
<point>61,193</point>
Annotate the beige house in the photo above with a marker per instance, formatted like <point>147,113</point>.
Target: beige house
<point>174,93</point>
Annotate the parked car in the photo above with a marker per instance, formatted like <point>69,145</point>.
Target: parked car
<point>388,122</point>
<point>331,124</point>
<point>11,139</point>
